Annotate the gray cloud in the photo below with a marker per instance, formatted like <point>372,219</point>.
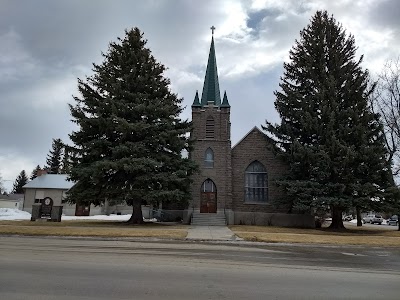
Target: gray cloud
<point>46,45</point>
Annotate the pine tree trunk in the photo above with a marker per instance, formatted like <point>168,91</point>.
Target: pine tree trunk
<point>359,220</point>
<point>337,221</point>
<point>131,218</point>
<point>137,216</point>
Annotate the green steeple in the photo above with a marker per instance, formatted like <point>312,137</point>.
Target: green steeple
<point>211,84</point>
<point>225,102</point>
<point>196,101</point>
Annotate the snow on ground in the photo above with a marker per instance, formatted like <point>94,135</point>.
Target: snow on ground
<point>98,217</point>
<point>14,214</point>
<point>18,215</point>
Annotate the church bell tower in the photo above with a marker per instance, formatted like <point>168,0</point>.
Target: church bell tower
<point>212,185</point>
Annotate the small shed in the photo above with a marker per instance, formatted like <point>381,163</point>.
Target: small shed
<point>52,187</point>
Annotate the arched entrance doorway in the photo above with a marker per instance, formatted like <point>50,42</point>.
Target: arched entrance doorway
<point>208,197</point>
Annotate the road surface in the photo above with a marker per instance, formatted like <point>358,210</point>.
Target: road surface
<point>56,268</point>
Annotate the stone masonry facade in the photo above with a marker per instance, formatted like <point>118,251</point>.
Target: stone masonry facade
<point>231,168</point>
<point>255,147</point>
<point>221,173</point>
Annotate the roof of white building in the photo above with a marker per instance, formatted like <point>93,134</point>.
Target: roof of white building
<point>50,181</point>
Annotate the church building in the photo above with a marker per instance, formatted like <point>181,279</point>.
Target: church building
<point>235,183</point>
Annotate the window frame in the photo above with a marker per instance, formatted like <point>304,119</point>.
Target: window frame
<point>255,186</point>
<point>203,187</point>
<point>209,163</point>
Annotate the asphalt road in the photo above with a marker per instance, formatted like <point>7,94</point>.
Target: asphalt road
<point>51,268</point>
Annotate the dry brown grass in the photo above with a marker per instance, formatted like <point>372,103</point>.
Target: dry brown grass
<point>93,228</point>
<point>354,236</point>
<point>74,223</point>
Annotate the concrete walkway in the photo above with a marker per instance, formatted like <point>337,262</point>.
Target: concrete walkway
<point>211,233</point>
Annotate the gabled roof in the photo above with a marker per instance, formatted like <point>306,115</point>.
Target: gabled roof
<point>243,138</point>
<point>50,181</point>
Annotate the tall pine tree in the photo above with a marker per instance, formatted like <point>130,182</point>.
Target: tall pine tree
<point>66,160</point>
<point>35,172</point>
<point>19,182</point>
<point>54,158</point>
<point>328,133</point>
<point>130,136</point>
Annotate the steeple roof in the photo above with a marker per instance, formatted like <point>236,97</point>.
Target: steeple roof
<point>196,101</point>
<point>225,102</point>
<point>211,85</point>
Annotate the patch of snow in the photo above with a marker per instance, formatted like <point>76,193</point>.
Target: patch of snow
<point>353,254</point>
<point>111,217</point>
<point>12,214</point>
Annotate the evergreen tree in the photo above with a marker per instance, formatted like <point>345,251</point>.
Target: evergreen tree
<point>66,161</point>
<point>20,181</point>
<point>130,137</point>
<point>328,133</point>
<point>54,158</point>
<point>35,172</point>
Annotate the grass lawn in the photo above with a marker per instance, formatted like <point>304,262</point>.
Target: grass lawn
<point>93,228</point>
<point>96,228</point>
<point>353,236</point>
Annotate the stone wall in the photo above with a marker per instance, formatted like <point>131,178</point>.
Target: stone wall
<point>220,174</point>
<point>274,219</point>
<point>255,146</point>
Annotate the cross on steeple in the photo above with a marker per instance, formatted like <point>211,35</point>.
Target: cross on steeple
<point>212,29</point>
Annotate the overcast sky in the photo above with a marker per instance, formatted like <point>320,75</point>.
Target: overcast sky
<point>45,45</point>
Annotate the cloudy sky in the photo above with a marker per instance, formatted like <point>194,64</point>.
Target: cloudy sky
<point>45,45</point>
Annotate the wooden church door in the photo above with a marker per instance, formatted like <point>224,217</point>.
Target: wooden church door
<point>208,197</point>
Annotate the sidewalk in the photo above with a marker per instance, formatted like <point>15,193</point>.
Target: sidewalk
<point>213,233</point>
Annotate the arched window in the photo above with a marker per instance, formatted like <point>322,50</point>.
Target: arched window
<point>209,158</point>
<point>208,186</point>
<point>256,183</point>
<point>210,128</point>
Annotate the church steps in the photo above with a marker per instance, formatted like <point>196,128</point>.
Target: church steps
<point>204,219</point>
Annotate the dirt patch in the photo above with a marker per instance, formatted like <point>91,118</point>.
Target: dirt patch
<point>318,236</point>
